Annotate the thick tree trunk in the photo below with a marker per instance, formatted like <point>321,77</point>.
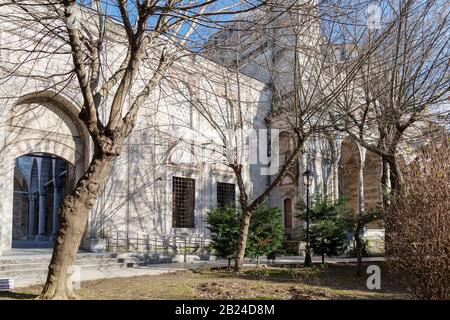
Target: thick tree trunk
<point>73,218</point>
<point>396,176</point>
<point>240,251</point>
<point>397,185</point>
<point>361,210</point>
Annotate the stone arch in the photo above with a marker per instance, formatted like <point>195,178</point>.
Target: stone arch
<point>348,172</point>
<point>372,180</point>
<point>45,123</point>
<point>288,180</point>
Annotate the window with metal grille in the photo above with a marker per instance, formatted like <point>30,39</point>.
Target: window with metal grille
<point>183,202</point>
<point>225,194</point>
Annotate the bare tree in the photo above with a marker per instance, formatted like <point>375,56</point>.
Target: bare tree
<point>305,82</point>
<point>400,83</point>
<point>156,35</point>
<point>385,105</point>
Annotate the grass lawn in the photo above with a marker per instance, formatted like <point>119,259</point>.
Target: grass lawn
<point>336,281</point>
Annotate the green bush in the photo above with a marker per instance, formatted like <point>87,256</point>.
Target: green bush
<point>224,226</point>
<point>329,224</point>
<point>353,251</point>
<point>266,232</point>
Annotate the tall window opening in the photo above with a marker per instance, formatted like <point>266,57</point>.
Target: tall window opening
<point>226,194</point>
<point>183,202</point>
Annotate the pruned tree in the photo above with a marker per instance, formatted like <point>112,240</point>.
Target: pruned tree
<point>403,77</point>
<point>402,83</point>
<point>120,52</point>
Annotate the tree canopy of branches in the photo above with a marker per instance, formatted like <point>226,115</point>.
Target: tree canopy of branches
<point>400,83</point>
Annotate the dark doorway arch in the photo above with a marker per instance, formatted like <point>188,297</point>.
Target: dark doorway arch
<point>41,181</point>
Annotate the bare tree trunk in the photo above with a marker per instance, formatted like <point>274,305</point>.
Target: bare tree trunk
<point>361,209</point>
<point>384,183</point>
<point>240,251</point>
<point>396,175</point>
<point>247,209</point>
<point>73,218</point>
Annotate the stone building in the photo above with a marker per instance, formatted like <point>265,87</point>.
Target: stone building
<point>167,178</point>
<point>282,43</point>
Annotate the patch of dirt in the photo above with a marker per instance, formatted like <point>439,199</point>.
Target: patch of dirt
<point>310,294</point>
<point>216,290</point>
<point>245,290</point>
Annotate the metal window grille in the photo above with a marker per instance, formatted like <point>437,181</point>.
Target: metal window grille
<point>183,202</point>
<point>6,284</point>
<point>226,194</point>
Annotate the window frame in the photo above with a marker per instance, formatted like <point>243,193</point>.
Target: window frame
<point>184,184</point>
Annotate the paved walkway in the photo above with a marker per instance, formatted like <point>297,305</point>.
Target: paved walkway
<point>95,274</point>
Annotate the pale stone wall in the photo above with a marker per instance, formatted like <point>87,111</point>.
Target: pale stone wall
<point>41,115</point>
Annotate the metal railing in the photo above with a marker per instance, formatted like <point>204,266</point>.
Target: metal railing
<point>120,241</point>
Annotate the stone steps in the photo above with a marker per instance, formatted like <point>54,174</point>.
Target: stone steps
<point>34,258</point>
<point>43,271</point>
<point>44,264</point>
<point>26,266</point>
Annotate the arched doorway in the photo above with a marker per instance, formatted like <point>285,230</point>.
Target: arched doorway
<point>41,124</point>
<point>41,181</point>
